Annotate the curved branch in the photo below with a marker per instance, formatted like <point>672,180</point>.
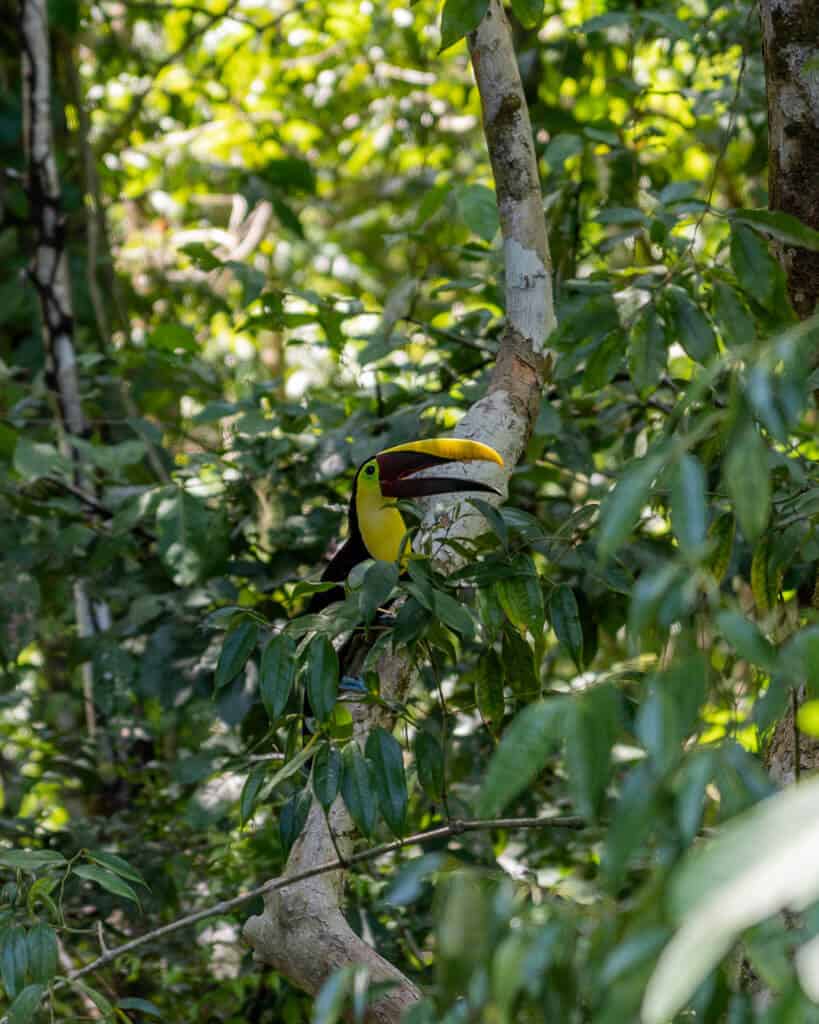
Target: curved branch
<point>302,931</point>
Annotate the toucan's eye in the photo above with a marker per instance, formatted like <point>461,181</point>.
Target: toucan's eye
<point>370,470</point>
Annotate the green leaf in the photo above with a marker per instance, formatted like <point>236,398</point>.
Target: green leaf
<point>479,209</point>
<point>521,598</point>
<point>387,759</point>
<point>590,726</point>
<point>564,616</point>
<point>658,727</point>
<point>143,1005</point>
<point>277,674</point>
<point>238,645</point>
<point>322,677</point>
<point>192,539</point>
<point>754,266</point>
<point>647,350</point>
<point>357,788</point>
<point>453,614</point>
<point>33,460</point>
<point>118,865</point>
<point>289,173</point>
<point>784,227</point>
<point>622,505</point>
<point>605,361</point>
<point>97,998</point>
<point>694,331</point>
<point>519,665</point>
<point>171,337</point>
<point>529,12</point>
<point>293,818</point>
<point>379,582</point>
<point>429,763</point>
<point>489,688</point>
<point>26,1004</point>
<point>800,658</point>
<point>327,775</point>
<point>250,792</point>
<point>14,960</point>
<point>31,861</point>
<point>42,953</point>
<point>107,880</point>
<point>748,480</point>
<point>688,509</point>
<point>746,639</point>
<point>458,18</point>
<point>735,322</point>
<point>527,744</point>
<point>634,818</point>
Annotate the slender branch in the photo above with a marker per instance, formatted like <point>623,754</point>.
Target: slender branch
<point>454,828</point>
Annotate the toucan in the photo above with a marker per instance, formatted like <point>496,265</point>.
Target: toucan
<point>376,526</point>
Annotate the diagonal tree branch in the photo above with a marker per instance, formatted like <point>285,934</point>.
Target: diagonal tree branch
<point>303,932</point>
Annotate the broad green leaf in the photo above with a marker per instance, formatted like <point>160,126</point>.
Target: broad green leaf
<point>277,673</point>
<point>118,865</point>
<point>386,757</point>
<point>14,959</point>
<point>635,818</point>
<point>106,879</point>
<point>784,227</point>
<point>250,792</point>
<point>458,18</point>
<point>379,582</point>
<point>143,1005</point>
<point>647,350</point>
<point>605,361</point>
<point>622,505</point>
<point>692,327</point>
<point>800,658</point>
<point>697,772</point>
<point>521,598</point>
<point>758,864</point>
<point>31,861</point>
<point>453,614</point>
<point>564,616</point>
<point>33,460</point>
<point>529,12</point>
<point>590,726</point>
<point>479,209</point>
<point>293,818</point>
<point>519,665</point>
<point>489,688</point>
<point>322,677</point>
<point>357,788</point>
<point>429,763</point>
<point>170,337</point>
<point>746,639</point>
<point>735,322</point>
<point>238,645</point>
<point>25,1006</point>
<point>42,953</point>
<point>754,266</point>
<point>332,998</point>
<point>658,726</point>
<point>721,537</point>
<point>527,744</point>
<point>289,173</point>
<point>192,538</point>
<point>748,480</point>
<point>290,767</point>
<point>327,775</point>
<point>688,509</point>
<point>96,997</point>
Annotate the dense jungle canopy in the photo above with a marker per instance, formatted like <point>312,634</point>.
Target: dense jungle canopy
<point>284,234</point>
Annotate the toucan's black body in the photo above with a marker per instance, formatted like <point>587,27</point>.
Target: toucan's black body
<point>381,480</point>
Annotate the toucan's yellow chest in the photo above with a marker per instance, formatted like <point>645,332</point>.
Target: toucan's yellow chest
<point>381,524</point>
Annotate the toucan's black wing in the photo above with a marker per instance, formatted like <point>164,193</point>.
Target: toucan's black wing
<point>351,552</point>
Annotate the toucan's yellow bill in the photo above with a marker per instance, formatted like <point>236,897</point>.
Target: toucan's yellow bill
<point>454,448</point>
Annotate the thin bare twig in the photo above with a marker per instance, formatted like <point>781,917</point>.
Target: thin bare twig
<point>454,828</point>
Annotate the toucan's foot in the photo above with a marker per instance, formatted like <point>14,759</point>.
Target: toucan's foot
<point>352,684</point>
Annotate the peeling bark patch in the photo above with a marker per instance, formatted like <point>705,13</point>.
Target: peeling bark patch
<point>528,294</point>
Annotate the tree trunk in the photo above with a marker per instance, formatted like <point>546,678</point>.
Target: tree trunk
<point>790,34</point>
<point>303,932</point>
